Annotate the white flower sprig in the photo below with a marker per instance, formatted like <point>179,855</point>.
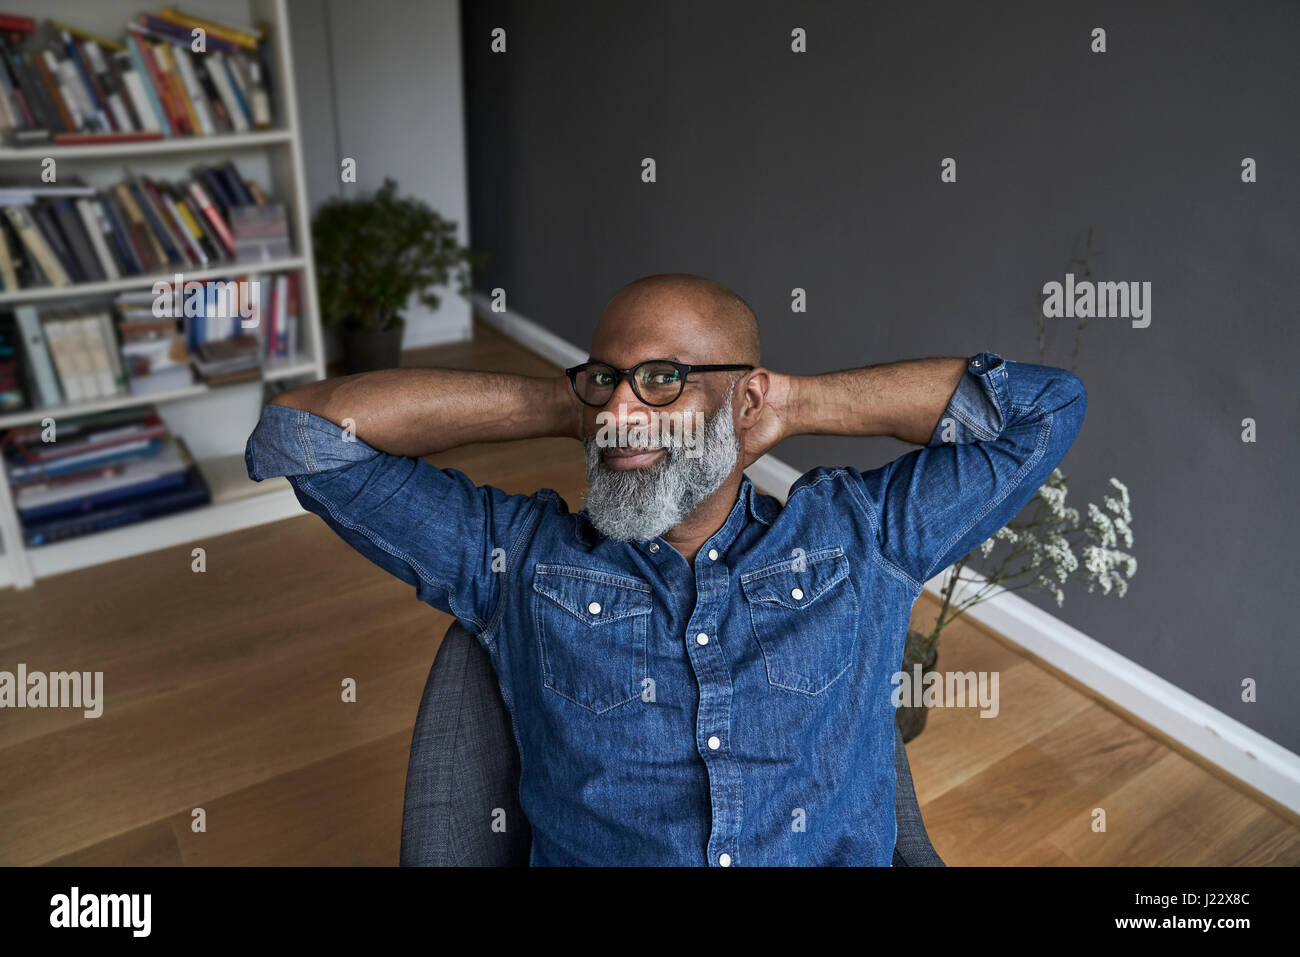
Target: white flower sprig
<point>1051,548</point>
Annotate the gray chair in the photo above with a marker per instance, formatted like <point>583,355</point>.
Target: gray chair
<point>464,764</point>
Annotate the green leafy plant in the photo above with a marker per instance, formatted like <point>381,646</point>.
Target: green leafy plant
<point>374,252</point>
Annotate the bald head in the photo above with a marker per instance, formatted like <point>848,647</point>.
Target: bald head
<point>676,314</point>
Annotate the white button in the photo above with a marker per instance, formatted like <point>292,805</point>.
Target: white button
<point>654,546</point>
<point>724,860</point>
<point>713,554</point>
<point>702,638</point>
<point>797,594</point>
<point>594,608</point>
<point>715,742</point>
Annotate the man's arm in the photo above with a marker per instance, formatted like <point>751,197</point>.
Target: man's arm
<point>350,448</point>
<point>902,399</point>
<point>993,430</point>
<point>417,412</point>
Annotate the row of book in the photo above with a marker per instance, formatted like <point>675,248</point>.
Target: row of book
<point>101,471</point>
<point>59,234</point>
<point>171,75</point>
<point>219,331</point>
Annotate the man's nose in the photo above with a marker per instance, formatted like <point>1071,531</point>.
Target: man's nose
<point>628,411</point>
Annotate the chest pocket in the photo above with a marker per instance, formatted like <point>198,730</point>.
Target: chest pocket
<point>591,631</point>
<point>805,617</point>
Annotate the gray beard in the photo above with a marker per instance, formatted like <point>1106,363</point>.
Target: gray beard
<point>629,505</point>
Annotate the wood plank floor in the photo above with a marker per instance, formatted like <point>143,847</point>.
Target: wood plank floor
<point>223,694</point>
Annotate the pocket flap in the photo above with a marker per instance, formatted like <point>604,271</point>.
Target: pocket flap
<point>796,583</point>
<point>591,595</point>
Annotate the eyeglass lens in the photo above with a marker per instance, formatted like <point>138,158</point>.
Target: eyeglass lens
<point>656,383</point>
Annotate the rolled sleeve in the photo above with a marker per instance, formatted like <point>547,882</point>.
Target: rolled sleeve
<point>1005,428</point>
<point>296,442</point>
<point>976,410</point>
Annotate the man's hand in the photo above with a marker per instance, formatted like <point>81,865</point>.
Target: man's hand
<point>902,399</point>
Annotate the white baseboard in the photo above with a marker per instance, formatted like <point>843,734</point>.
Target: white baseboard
<point>527,333</point>
<point>1246,754</point>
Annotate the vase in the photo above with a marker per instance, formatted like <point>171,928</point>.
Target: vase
<point>365,351</point>
<point>911,718</point>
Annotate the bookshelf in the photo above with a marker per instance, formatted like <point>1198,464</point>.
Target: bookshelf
<point>214,421</point>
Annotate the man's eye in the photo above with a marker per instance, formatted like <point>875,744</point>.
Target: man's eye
<point>663,378</point>
<point>601,378</point>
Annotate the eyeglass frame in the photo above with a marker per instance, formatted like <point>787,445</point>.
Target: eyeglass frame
<point>684,368</point>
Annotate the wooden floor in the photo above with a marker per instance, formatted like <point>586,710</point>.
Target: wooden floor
<point>224,694</point>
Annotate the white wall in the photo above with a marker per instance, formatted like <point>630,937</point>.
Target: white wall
<point>380,82</point>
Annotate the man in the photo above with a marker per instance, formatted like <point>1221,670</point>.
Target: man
<point>694,673</point>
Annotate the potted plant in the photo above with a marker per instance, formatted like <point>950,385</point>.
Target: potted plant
<point>1040,552</point>
<point>373,253</point>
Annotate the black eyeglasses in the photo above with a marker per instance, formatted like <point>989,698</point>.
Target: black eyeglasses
<point>655,381</point>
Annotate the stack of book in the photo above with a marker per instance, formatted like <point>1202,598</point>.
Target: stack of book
<point>147,342</point>
<point>154,350</point>
<point>63,85</point>
<point>261,232</point>
<point>58,234</point>
<point>229,360</point>
<point>103,471</point>
<point>261,305</point>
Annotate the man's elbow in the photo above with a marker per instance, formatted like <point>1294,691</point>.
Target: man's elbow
<point>1074,402</point>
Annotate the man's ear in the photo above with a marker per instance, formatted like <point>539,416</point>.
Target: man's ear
<point>752,397</point>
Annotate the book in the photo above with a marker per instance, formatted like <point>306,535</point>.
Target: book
<point>25,226</point>
<point>192,493</point>
<point>157,363</point>
<point>107,469</point>
<point>43,217</point>
<point>14,394</point>
<point>38,357</point>
<point>63,84</point>
<point>241,35</point>
<point>96,486</point>
<point>8,268</point>
<point>260,232</point>
<point>77,239</point>
<point>91,224</point>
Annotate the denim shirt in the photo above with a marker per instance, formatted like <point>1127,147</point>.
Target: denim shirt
<point>734,711</point>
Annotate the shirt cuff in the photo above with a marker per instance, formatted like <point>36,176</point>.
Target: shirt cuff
<point>977,410</point>
<point>296,442</point>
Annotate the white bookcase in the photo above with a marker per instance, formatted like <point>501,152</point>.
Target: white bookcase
<point>214,421</point>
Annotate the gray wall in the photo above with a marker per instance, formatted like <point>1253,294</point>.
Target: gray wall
<point>821,170</point>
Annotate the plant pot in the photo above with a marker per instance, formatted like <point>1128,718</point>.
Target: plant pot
<point>365,351</point>
<point>911,718</point>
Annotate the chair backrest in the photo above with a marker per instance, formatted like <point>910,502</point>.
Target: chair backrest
<point>464,767</point>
